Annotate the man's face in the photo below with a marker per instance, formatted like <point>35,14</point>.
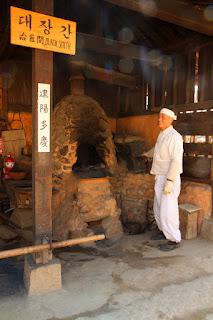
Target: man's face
<point>164,121</point>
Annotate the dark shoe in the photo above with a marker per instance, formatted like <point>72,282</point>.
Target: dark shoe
<point>170,245</point>
<point>158,236</point>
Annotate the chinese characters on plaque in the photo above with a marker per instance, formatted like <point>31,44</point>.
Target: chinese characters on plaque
<point>36,30</point>
<point>43,117</point>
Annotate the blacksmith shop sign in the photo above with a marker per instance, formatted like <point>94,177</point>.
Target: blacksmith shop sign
<point>36,30</point>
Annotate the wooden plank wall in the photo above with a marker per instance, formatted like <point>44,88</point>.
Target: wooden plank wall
<point>173,86</point>
<point>169,84</point>
<point>206,73</point>
<point>105,94</point>
<point>19,86</point>
<point>195,124</point>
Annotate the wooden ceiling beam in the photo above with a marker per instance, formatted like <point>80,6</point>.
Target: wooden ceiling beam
<point>109,46</point>
<point>112,77</point>
<point>177,12</point>
<point>190,43</point>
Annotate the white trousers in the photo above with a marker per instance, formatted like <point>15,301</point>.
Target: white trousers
<point>166,209</point>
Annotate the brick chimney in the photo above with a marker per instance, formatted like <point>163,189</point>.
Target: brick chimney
<point>77,79</point>
<point>77,84</point>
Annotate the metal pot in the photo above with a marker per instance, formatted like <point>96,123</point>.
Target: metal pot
<point>197,167</point>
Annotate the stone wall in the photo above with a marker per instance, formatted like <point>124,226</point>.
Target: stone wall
<point>81,201</point>
<point>97,203</point>
<point>132,192</point>
<point>137,125</point>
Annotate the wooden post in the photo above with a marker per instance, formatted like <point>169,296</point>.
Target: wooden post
<point>3,98</point>
<point>202,75</point>
<point>175,81</point>
<point>164,89</point>
<point>99,18</point>
<point>153,86</point>
<point>42,72</point>
<point>118,103</point>
<point>212,165</point>
<point>190,81</point>
<point>212,176</point>
<point>210,84</point>
<point>143,94</point>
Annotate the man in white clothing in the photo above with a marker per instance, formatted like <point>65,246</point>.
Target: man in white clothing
<point>167,167</point>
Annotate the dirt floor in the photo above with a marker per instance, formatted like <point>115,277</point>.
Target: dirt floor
<point>130,280</point>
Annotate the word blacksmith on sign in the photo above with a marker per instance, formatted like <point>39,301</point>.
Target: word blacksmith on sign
<point>35,30</point>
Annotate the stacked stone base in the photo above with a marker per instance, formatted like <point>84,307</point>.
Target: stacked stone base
<point>96,203</point>
<point>134,194</point>
<point>41,279</point>
<point>125,199</point>
<point>91,201</point>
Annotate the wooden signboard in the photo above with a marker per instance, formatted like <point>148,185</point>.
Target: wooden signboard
<point>43,117</point>
<point>40,31</point>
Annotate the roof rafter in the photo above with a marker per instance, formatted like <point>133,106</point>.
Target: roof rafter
<point>109,46</point>
<point>176,12</point>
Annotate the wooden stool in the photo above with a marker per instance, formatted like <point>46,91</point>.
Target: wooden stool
<point>188,214</point>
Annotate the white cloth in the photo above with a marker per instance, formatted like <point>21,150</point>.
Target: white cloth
<point>166,208</point>
<point>168,154</point>
<point>169,113</point>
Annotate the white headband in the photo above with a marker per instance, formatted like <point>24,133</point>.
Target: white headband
<point>169,113</point>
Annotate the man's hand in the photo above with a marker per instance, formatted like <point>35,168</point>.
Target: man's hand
<point>168,187</point>
<point>145,154</point>
<point>149,154</point>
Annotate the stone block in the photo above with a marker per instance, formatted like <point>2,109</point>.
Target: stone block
<point>207,229</point>
<point>42,278</point>
<point>137,164</point>
<point>23,197</point>
<point>112,228</point>
<point>22,217</point>
<point>200,195</point>
<point>27,234</point>
<point>96,202</point>
<point>6,233</point>
<point>152,224</point>
<point>188,220</point>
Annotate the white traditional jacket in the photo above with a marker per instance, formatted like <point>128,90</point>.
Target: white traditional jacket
<point>168,154</point>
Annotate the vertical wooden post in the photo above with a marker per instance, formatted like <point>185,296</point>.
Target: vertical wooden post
<point>153,87</point>
<point>142,87</point>
<point>118,102</point>
<point>212,166</point>
<point>99,18</point>
<point>175,82</point>
<point>202,75</point>
<point>190,81</point>
<point>212,177</point>
<point>42,72</point>
<point>210,83</point>
<point>164,89</point>
<point>126,99</point>
<point>3,98</point>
